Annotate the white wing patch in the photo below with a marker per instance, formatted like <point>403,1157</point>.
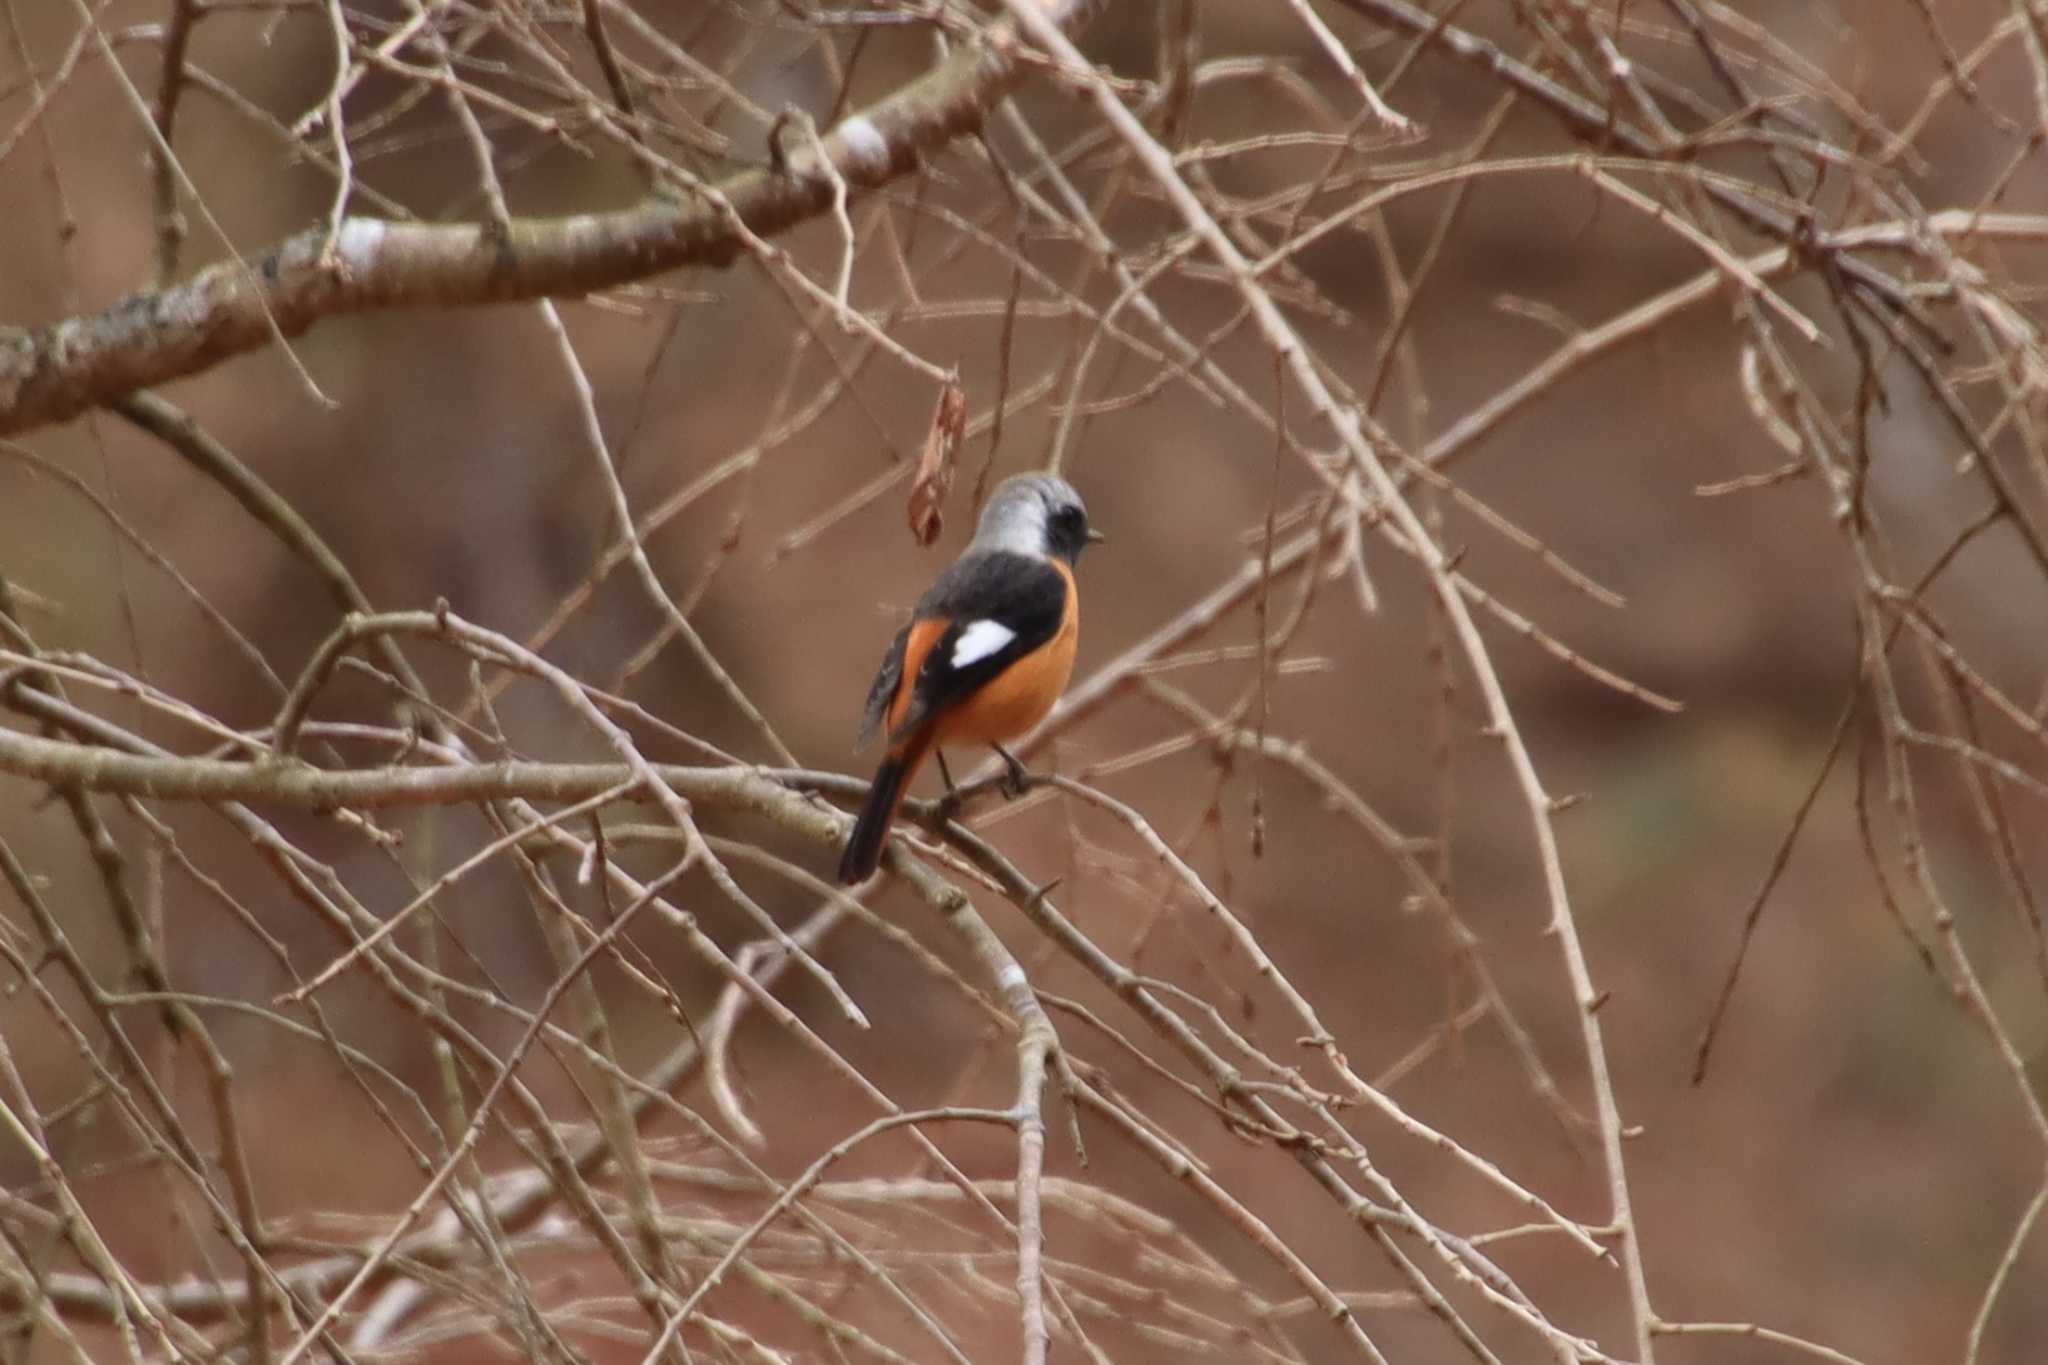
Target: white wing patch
<point>980,639</point>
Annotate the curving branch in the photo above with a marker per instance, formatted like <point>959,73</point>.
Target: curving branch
<point>56,372</point>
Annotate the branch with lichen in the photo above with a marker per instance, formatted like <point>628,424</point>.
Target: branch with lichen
<point>359,265</point>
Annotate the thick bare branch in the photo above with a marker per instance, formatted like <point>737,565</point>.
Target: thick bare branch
<point>53,373</point>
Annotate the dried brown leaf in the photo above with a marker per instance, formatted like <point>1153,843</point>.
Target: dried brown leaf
<point>935,467</point>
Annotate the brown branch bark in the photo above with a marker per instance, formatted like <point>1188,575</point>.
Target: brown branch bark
<point>53,373</point>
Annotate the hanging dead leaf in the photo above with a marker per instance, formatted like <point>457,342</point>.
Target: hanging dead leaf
<point>934,477</point>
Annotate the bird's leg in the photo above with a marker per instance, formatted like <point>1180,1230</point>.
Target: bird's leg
<point>949,804</point>
<point>1017,780</point>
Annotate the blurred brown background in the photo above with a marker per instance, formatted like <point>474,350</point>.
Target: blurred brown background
<point>1853,1167</point>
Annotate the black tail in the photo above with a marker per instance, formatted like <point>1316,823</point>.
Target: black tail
<point>864,846</point>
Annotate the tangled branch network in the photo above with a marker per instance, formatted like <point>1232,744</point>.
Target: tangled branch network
<point>451,450</point>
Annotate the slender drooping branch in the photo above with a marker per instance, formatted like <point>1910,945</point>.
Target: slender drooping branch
<point>1346,423</point>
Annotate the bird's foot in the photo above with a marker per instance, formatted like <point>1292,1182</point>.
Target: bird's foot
<point>1016,779</point>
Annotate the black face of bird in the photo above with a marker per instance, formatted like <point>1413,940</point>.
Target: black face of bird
<point>1067,531</point>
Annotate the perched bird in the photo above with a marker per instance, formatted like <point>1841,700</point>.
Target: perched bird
<point>986,654</point>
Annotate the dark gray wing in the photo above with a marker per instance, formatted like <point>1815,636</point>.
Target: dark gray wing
<point>882,691</point>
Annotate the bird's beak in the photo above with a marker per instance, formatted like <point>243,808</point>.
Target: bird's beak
<point>1095,537</point>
